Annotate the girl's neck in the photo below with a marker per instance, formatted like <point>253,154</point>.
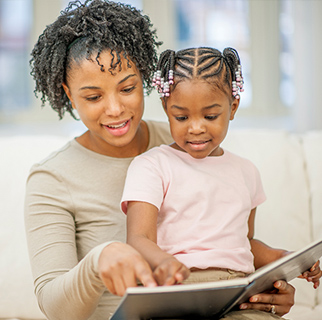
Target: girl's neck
<point>216,153</point>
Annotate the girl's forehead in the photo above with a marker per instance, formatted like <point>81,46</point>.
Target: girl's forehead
<point>194,91</point>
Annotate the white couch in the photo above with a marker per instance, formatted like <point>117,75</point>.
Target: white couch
<point>291,169</point>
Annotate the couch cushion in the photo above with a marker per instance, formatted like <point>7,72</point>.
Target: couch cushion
<point>283,221</point>
<point>17,299</point>
<point>280,160</point>
<point>312,143</point>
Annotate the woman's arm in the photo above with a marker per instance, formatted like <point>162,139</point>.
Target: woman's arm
<point>65,289</point>
<point>142,235</point>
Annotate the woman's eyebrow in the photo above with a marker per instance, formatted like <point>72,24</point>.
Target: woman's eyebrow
<point>95,87</point>
<point>127,77</point>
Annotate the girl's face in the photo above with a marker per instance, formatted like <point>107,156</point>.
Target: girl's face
<point>199,116</point>
<point>110,105</point>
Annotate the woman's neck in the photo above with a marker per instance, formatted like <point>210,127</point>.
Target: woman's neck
<point>138,145</point>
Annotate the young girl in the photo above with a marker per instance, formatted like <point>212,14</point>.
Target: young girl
<point>191,205</point>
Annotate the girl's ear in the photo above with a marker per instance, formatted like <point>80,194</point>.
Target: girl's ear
<point>164,105</point>
<point>233,108</point>
<point>67,91</point>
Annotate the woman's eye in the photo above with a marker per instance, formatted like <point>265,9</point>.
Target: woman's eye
<point>92,98</point>
<point>181,118</point>
<point>128,90</point>
<point>212,117</point>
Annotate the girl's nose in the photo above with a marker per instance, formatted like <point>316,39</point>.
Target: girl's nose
<point>196,127</point>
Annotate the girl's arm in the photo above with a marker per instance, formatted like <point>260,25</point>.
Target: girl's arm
<point>283,295</point>
<point>142,235</point>
<point>263,254</point>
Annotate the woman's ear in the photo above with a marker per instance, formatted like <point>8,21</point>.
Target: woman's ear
<point>67,91</point>
<point>233,108</point>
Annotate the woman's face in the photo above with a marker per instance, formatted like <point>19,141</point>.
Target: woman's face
<point>110,105</point>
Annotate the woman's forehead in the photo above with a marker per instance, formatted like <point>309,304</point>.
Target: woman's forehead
<point>106,61</point>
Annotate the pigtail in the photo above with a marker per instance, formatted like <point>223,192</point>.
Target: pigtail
<point>163,77</point>
<point>234,66</point>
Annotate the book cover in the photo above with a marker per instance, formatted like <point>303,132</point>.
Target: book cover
<point>212,299</point>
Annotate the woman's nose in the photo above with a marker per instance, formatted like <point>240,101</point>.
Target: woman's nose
<point>114,108</point>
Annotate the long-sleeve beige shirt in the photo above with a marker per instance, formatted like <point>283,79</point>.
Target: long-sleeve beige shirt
<point>72,211</point>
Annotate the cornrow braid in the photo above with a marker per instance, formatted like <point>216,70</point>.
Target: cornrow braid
<point>220,69</point>
<point>88,28</point>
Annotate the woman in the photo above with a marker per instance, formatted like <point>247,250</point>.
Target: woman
<point>96,58</point>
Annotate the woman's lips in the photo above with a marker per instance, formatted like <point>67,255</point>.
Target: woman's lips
<point>118,129</point>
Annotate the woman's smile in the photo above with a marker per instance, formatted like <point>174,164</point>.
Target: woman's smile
<point>119,128</point>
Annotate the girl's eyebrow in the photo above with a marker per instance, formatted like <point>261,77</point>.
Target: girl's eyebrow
<point>95,87</point>
<point>204,108</point>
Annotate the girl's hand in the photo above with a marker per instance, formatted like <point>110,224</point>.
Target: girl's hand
<point>170,271</point>
<point>278,301</point>
<point>120,266</point>
<point>313,275</point>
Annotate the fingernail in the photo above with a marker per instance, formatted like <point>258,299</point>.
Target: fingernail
<point>253,299</point>
<point>243,306</point>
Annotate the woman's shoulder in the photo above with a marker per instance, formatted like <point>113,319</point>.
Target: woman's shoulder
<point>59,158</point>
<point>159,133</point>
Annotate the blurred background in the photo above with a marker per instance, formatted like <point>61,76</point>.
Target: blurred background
<point>279,42</point>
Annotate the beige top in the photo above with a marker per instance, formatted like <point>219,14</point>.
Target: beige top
<point>72,211</point>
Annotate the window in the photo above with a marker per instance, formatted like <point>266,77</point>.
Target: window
<point>15,30</point>
<point>219,24</point>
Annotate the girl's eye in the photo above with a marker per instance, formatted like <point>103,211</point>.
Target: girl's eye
<point>181,118</point>
<point>213,117</point>
<point>128,90</point>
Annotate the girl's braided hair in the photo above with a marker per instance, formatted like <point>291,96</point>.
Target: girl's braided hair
<point>85,29</point>
<point>222,70</point>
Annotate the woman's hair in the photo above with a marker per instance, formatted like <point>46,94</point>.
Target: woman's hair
<point>85,29</point>
<point>222,70</point>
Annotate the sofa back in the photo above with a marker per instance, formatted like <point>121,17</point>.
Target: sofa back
<point>291,171</point>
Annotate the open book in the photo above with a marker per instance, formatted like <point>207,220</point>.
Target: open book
<point>212,299</point>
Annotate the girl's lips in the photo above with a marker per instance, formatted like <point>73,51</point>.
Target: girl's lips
<point>198,145</point>
<point>118,129</point>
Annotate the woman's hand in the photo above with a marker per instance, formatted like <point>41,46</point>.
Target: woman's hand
<point>278,301</point>
<point>170,271</point>
<point>120,266</point>
<point>313,275</point>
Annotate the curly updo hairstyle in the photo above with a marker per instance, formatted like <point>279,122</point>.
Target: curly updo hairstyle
<point>85,29</point>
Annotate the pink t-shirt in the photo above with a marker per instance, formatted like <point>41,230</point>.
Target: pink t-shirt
<point>204,205</point>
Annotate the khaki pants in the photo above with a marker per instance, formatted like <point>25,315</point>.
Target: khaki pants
<point>221,274</point>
